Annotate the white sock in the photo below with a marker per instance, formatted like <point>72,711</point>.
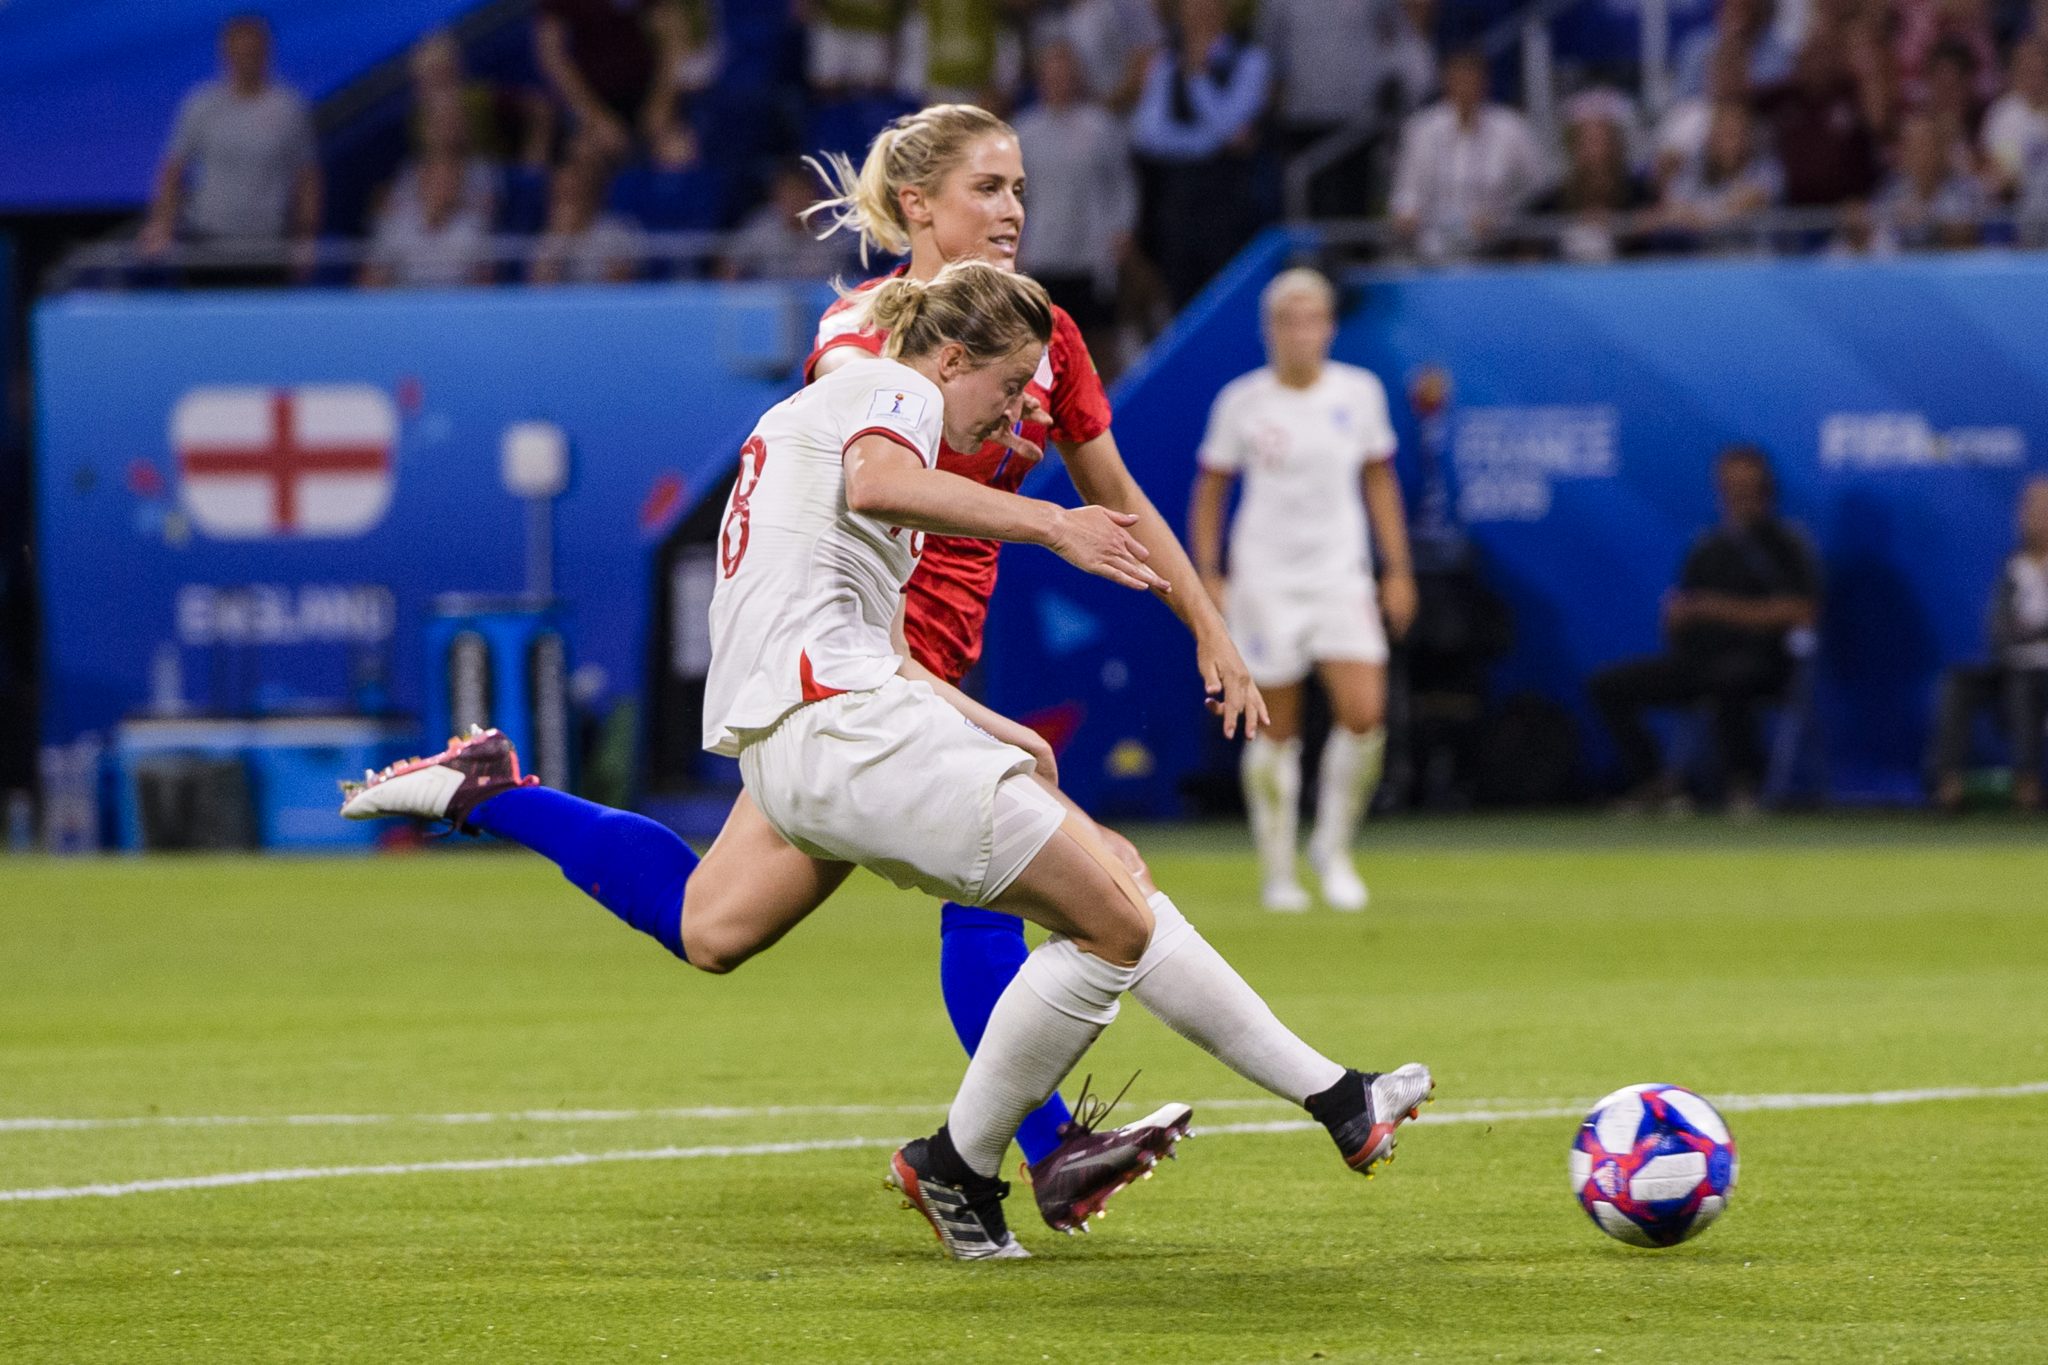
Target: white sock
<point>1198,995</point>
<point>1350,774</point>
<point>1060,1001</point>
<point>1271,772</point>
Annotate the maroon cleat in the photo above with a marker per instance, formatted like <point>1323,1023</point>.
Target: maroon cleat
<point>446,786</point>
<point>1075,1181</point>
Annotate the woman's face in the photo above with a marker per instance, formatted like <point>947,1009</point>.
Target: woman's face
<point>1299,332</point>
<point>977,211</point>
<point>983,399</point>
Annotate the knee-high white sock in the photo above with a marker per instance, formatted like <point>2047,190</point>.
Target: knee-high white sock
<point>1271,772</point>
<point>1350,774</point>
<point>1198,995</point>
<point>1059,1002</point>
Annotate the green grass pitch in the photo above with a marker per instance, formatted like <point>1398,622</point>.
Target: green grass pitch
<point>1534,965</point>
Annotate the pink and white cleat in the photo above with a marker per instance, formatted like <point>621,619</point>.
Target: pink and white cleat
<point>446,786</point>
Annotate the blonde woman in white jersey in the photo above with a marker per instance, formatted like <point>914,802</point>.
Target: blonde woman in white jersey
<point>853,755</point>
<point>1312,440</point>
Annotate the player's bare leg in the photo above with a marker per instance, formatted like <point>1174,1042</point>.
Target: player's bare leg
<point>1353,758</point>
<point>750,890</point>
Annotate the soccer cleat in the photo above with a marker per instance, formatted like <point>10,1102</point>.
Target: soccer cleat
<point>966,1218</point>
<point>446,786</point>
<point>1364,1110</point>
<point>1284,896</point>
<point>1342,889</point>
<point>1076,1179</point>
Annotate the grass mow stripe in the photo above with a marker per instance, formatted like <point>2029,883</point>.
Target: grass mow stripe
<point>1481,1110</point>
<point>1731,1104</point>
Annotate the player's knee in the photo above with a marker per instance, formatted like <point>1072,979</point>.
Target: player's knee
<point>712,941</point>
<point>1124,934</point>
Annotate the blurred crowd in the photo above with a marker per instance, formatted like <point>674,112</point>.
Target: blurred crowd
<point>1157,135</point>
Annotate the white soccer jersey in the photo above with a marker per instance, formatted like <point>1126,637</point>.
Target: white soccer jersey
<point>807,589</point>
<point>1301,522</point>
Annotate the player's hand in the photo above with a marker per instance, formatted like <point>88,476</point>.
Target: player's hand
<point>1231,692</point>
<point>1099,541</point>
<point>1028,451</point>
<point>1398,600</point>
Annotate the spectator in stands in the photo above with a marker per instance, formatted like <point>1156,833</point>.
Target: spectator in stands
<point>850,45</point>
<point>1599,192</point>
<point>687,58</point>
<point>245,144</point>
<point>961,52</point>
<point>598,60</point>
<point>2015,135</point>
<point>1951,100</point>
<point>774,244</point>
<point>1928,27</point>
<point>1733,180</point>
<point>1197,128</point>
<point>1465,167</point>
<point>1681,134</point>
<point>1116,40</point>
<point>1819,130</point>
<point>1083,194</point>
<point>1928,203</point>
<point>1326,69</point>
<point>432,236</point>
<point>500,125</point>
<point>2016,678</point>
<point>1748,592</point>
<point>584,243</point>
<point>1744,33</point>
<point>445,133</point>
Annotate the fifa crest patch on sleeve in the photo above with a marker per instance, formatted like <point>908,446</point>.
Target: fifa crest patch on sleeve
<point>901,404</point>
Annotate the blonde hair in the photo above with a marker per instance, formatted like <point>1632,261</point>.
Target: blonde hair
<point>989,311</point>
<point>1298,282</point>
<point>917,149</point>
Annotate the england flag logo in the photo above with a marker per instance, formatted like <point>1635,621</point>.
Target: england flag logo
<point>312,462</point>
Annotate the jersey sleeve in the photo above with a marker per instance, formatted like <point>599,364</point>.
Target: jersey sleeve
<point>1080,405</point>
<point>906,409</point>
<point>1223,443</point>
<point>841,326</point>
<point>1376,433</point>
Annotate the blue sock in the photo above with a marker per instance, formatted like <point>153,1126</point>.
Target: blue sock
<point>979,952</point>
<point>630,865</point>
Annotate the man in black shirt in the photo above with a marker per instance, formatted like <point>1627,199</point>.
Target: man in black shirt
<point>1747,586</point>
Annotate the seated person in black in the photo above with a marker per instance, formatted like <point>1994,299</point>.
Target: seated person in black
<point>1746,587</point>
<point>2016,678</point>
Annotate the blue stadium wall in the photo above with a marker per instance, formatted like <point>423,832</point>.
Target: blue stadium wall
<point>1904,402</point>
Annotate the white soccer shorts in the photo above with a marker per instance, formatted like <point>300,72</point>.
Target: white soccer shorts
<point>901,783</point>
<point>1283,633</point>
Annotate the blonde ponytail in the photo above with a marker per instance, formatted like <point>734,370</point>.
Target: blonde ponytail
<point>989,311</point>
<point>917,149</point>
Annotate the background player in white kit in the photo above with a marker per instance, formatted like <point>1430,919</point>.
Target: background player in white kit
<point>851,756</point>
<point>1313,443</point>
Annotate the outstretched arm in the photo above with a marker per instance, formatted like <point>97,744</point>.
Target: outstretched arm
<point>887,481</point>
<point>1100,474</point>
<point>1390,534</point>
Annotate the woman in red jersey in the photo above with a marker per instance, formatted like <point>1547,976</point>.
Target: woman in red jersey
<point>942,185</point>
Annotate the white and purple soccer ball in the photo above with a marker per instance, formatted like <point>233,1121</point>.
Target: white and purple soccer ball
<point>1653,1165</point>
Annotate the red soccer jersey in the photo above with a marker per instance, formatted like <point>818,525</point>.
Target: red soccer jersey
<point>946,602</point>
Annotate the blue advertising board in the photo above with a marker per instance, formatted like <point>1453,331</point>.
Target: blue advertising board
<point>1903,403</point>
<point>248,504</point>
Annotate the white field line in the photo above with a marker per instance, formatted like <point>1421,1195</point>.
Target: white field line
<point>1471,1111</point>
<point>1731,1104</point>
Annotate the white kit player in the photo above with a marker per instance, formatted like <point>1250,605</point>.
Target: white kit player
<point>1311,439</point>
<point>852,755</point>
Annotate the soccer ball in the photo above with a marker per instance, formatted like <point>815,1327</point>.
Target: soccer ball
<point>1653,1165</point>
